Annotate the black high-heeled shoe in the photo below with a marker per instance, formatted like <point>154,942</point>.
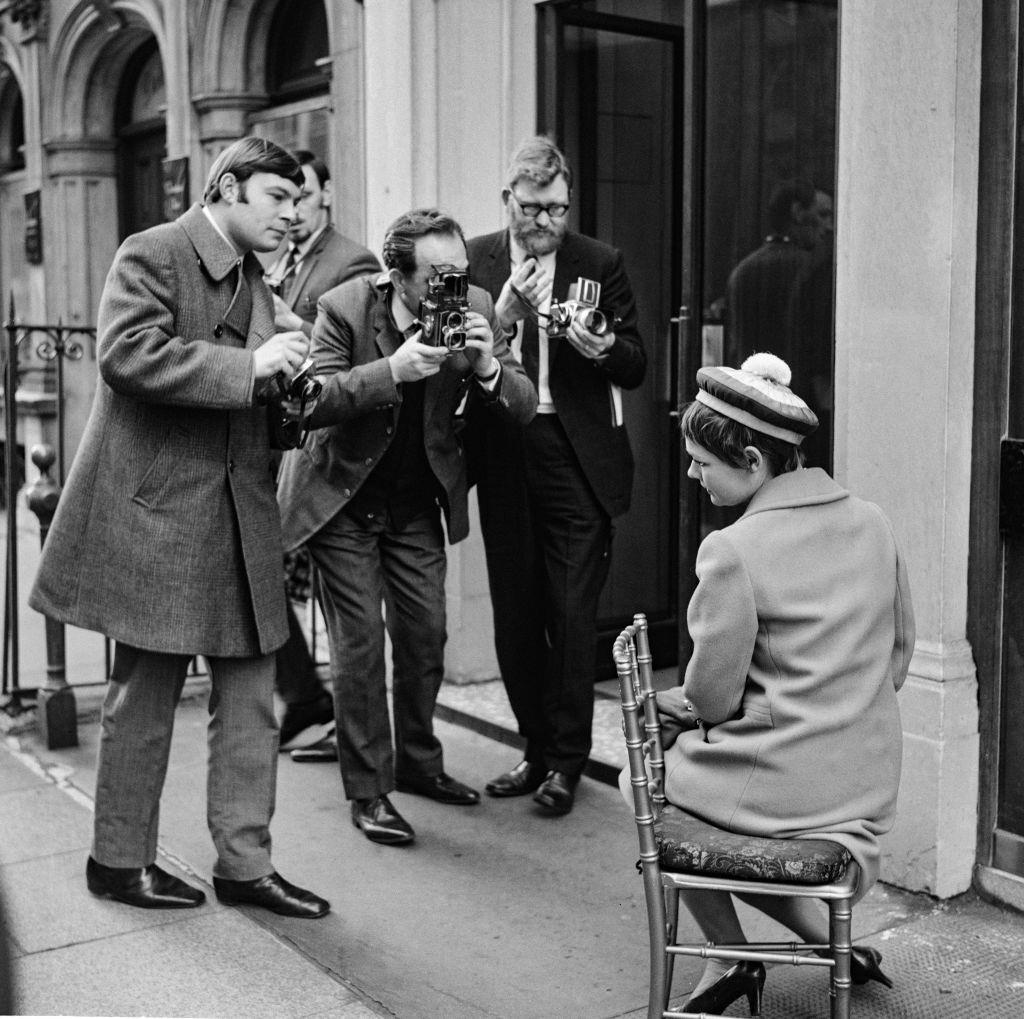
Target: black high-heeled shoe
<point>744,978</point>
<point>864,966</point>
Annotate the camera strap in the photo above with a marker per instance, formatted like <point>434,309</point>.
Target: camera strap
<point>539,315</point>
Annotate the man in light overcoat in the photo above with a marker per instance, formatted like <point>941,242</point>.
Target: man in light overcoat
<point>167,537</point>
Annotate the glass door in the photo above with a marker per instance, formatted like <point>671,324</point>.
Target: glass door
<point>703,135</point>
<point>612,97</point>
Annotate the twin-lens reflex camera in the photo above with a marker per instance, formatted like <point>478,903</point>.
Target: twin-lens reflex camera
<point>443,310</point>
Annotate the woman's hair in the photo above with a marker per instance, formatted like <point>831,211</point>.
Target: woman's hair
<point>727,439</point>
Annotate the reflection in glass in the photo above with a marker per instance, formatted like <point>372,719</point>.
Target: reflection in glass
<point>769,172</point>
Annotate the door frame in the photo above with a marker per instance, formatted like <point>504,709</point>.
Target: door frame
<point>669,640</point>
<point>999,329</point>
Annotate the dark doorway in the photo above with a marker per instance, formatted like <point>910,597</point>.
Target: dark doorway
<point>141,141</point>
<point>611,96</point>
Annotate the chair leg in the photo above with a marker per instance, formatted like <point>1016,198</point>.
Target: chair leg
<point>671,929</point>
<point>840,915</point>
<point>657,924</point>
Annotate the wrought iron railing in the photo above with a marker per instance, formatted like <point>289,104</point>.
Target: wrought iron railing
<point>55,345</point>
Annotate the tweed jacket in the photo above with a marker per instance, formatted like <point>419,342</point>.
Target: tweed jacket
<point>167,535</point>
<point>803,630</point>
<point>333,259</point>
<point>358,410</point>
<point>579,387</point>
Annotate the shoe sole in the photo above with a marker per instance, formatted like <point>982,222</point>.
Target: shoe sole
<point>552,808</point>
<point>103,893</point>
<point>502,794</point>
<point>228,901</point>
<point>311,755</point>
<point>309,736</point>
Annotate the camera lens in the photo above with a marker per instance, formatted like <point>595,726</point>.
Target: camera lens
<point>593,320</point>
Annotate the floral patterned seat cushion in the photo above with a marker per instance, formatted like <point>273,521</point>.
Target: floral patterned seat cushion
<point>688,845</point>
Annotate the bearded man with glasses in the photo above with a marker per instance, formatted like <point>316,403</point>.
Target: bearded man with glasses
<point>548,490</point>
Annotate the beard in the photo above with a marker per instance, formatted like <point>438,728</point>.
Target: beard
<point>538,240</point>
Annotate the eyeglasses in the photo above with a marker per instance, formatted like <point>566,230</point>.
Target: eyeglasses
<point>556,210</point>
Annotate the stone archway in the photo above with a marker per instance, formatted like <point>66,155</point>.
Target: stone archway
<point>12,167</point>
<point>91,50</point>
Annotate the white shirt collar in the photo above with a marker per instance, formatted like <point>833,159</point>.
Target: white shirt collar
<point>216,226</point>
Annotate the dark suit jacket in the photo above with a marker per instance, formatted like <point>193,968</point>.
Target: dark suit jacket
<point>333,259</point>
<point>167,535</point>
<point>579,387</point>
<point>356,415</point>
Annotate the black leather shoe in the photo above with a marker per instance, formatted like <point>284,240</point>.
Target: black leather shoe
<point>442,788</point>
<point>146,887</point>
<point>305,724</point>
<point>274,893</point>
<point>743,978</point>
<point>378,820</point>
<point>865,966</point>
<point>522,779</point>
<point>557,792</point>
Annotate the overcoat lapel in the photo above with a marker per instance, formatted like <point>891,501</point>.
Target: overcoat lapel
<point>388,339</point>
<point>245,315</point>
<point>239,311</point>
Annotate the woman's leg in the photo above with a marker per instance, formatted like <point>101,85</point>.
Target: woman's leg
<point>804,917</point>
<point>715,914</point>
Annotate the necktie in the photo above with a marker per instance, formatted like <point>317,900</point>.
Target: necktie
<point>531,348</point>
<point>288,271</point>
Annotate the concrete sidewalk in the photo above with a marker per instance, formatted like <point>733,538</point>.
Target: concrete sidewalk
<point>495,911</point>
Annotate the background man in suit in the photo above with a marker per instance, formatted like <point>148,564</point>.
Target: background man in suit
<point>548,492</point>
<point>779,298</point>
<point>167,537</point>
<point>364,496</point>
<point>315,259</point>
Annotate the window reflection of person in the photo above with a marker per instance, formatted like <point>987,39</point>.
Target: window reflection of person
<point>813,343</point>
<point>769,299</point>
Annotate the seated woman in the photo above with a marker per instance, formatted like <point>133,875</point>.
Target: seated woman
<point>802,629</point>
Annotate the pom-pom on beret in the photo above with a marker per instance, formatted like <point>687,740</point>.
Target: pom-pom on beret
<point>757,395</point>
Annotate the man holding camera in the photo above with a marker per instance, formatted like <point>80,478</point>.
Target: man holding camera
<point>167,537</point>
<point>398,354</point>
<point>548,491</point>
<point>315,259</point>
